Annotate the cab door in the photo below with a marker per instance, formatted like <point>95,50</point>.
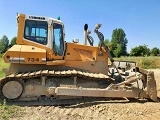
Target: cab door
<point>58,40</point>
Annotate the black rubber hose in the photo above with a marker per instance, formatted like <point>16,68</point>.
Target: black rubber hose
<point>90,40</point>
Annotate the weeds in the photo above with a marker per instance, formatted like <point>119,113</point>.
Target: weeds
<point>143,62</point>
<point>2,65</point>
<point>4,104</point>
<point>8,112</point>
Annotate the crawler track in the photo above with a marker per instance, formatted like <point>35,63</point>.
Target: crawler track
<point>49,75</point>
<point>56,74</point>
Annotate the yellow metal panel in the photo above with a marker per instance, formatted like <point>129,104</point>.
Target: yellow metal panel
<point>79,52</point>
<point>49,52</point>
<point>88,58</point>
<point>56,62</point>
<point>12,53</point>
<point>21,22</point>
<point>27,48</point>
<point>15,48</point>
<point>90,66</point>
<point>33,55</point>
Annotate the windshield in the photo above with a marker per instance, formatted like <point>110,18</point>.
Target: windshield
<point>36,31</point>
<point>58,44</point>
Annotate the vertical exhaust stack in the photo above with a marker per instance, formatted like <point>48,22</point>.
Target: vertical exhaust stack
<point>85,33</point>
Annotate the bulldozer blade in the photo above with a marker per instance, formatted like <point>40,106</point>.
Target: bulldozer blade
<point>151,86</point>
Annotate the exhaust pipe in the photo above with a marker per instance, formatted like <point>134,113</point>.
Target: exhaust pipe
<point>85,33</point>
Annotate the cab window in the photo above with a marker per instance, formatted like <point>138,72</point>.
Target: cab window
<point>36,31</point>
<point>58,43</point>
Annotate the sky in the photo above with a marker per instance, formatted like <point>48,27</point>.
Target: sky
<point>140,19</point>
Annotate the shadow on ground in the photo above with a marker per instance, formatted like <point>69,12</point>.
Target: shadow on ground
<point>77,103</point>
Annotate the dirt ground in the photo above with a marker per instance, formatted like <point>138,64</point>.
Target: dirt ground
<point>97,111</point>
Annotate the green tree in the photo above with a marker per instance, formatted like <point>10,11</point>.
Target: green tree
<point>119,43</point>
<point>4,44</point>
<point>155,51</point>
<point>141,50</point>
<point>117,52</point>
<point>13,41</point>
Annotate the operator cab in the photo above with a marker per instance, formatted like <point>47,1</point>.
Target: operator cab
<point>45,31</point>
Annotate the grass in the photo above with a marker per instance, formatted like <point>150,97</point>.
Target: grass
<point>143,62</point>
<point>2,65</point>
<point>10,111</point>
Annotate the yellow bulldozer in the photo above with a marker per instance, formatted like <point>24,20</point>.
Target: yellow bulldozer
<point>44,65</point>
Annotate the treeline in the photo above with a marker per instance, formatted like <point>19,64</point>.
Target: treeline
<point>118,46</point>
<point>143,50</point>
<point>5,44</point>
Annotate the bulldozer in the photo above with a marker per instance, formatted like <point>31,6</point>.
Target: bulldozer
<point>44,65</point>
